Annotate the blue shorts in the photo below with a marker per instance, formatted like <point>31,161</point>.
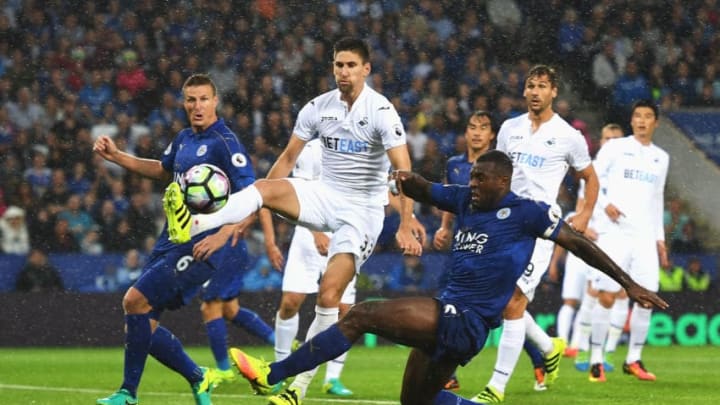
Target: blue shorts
<point>227,281</point>
<point>171,277</point>
<point>461,333</point>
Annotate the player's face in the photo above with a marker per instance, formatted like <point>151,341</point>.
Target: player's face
<point>200,105</point>
<point>486,186</point>
<point>479,133</point>
<point>350,71</point>
<point>608,134</point>
<point>643,122</point>
<point>539,93</point>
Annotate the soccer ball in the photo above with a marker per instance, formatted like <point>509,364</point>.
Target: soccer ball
<point>206,188</point>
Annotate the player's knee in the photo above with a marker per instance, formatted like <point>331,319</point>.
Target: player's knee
<point>134,302</point>
<point>329,298</point>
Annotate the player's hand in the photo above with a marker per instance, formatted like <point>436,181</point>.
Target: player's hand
<point>275,256</point>
<point>613,213</point>
<point>579,222</point>
<point>646,298</point>
<point>212,243</point>
<point>322,242</point>
<point>418,230</point>
<point>407,241</point>
<point>591,234</point>
<point>105,147</point>
<point>441,241</point>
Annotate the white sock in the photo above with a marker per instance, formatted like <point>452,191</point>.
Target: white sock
<point>600,325</point>
<point>509,349</point>
<point>240,205</point>
<point>324,318</point>
<point>537,335</point>
<point>584,321</point>
<point>335,367</point>
<point>285,332</point>
<point>639,325</point>
<point>618,316</point>
<point>565,320</point>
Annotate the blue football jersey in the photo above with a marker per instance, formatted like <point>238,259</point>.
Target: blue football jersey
<point>218,146</point>
<point>458,170</point>
<point>491,249</point>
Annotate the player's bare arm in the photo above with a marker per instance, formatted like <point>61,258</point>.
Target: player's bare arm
<point>412,185</point>
<point>275,256</point>
<point>286,161</point>
<point>405,236</point>
<point>106,147</point>
<point>585,249</point>
<point>592,186</point>
<point>443,234</point>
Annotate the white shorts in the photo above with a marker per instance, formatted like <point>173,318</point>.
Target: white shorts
<point>530,279</point>
<point>305,265</point>
<point>575,278</point>
<point>636,255</point>
<point>355,224</point>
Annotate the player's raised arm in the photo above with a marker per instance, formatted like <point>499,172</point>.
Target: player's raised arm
<point>585,249</point>
<point>286,160</point>
<point>152,168</point>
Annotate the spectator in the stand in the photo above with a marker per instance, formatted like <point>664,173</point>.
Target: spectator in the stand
<point>14,236</point>
<point>57,195</point>
<point>222,73</point>
<point>62,240</point>
<point>130,270</point>
<point>24,111</point>
<point>38,275</point>
<point>131,76</point>
<point>696,278</point>
<point>630,87</point>
<point>38,175</point>
<point>97,93</point>
<point>166,113</point>
<point>80,182</point>
<point>262,277</point>
<point>674,219</point>
<point>683,84</point>
<point>409,276</point>
<point>107,220</point>
<point>688,242</point>
<point>417,141</point>
<point>671,277</point>
<point>78,220</point>
<point>122,239</point>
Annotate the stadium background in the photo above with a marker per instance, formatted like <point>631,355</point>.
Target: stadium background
<point>71,70</point>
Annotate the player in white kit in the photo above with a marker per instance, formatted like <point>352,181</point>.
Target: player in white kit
<point>576,287</point>
<point>362,137</point>
<point>543,146</point>
<point>632,172</point>
<point>306,261</point>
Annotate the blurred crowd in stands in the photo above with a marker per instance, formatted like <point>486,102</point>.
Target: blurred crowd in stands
<point>73,69</point>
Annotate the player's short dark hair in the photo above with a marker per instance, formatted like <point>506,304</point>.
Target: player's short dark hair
<point>502,162</point>
<point>200,79</point>
<point>543,70</point>
<point>646,103</point>
<point>355,45</point>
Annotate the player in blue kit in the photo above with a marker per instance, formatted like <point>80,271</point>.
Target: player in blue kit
<point>171,276</point>
<point>479,138</point>
<point>494,239</point>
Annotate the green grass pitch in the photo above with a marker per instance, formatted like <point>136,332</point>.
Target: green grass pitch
<point>59,376</point>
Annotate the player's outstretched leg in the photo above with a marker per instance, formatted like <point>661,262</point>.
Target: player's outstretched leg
<point>177,213</point>
<point>121,397</point>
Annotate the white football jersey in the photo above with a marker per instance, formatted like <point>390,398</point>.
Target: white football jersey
<point>633,178</point>
<point>354,142</point>
<point>309,163</point>
<point>541,159</point>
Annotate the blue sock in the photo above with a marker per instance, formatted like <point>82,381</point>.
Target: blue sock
<point>137,345</point>
<point>445,397</point>
<point>535,356</point>
<point>168,350</point>
<point>217,335</point>
<point>323,347</point>
<point>251,322</point>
